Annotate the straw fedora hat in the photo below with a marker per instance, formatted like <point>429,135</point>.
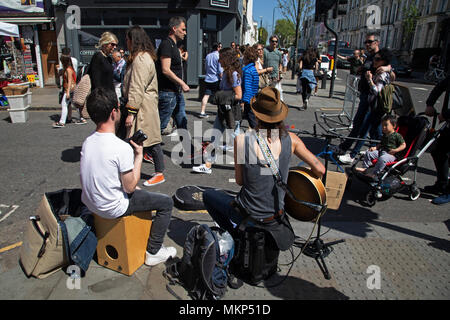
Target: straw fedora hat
<point>268,106</point>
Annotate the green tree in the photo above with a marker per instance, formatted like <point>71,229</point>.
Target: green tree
<point>410,16</point>
<point>262,35</point>
<point>285,29</point>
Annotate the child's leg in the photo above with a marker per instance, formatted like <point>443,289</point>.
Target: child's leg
<point>384,159</point>
<point>368,157</point>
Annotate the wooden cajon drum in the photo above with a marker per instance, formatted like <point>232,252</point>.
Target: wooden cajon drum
<point>122,242</point>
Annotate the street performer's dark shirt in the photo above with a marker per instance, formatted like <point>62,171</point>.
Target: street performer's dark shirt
<point>168,48</point>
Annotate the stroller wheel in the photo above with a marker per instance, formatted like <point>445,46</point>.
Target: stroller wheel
<point>414,193</point>
<point>370,199</point>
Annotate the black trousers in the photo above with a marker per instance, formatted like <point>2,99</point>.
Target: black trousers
<point>441,159</point>
<point>143,200</point>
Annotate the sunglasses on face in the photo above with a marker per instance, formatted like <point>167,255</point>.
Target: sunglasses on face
<point>370,41</point>
<point>113,44</point>
<point>274,41</point>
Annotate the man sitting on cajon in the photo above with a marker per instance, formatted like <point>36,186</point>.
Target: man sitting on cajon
<point>110,170</point>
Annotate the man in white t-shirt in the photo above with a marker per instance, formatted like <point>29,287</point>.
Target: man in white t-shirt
<point>110,170</point>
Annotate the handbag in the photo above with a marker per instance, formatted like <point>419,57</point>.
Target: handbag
<point>81,91</point>
<point>45,248</point>
<point>264,80</point>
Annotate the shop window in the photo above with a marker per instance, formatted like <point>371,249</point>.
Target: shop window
<point>209,22</point>
<point>144,21</point>
<point>121,18</point>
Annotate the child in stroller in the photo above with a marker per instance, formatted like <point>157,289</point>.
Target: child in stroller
<point>389,180</point>
<point>391,144</point>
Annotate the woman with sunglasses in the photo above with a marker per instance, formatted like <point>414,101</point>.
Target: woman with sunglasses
<point>101,67</point>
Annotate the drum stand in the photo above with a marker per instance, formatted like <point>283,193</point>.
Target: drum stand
<point>318,249</point>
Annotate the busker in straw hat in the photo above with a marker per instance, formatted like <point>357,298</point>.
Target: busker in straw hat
<point>260,196</point>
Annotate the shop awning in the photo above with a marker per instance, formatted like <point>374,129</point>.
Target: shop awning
<point>27,20</point>
<point>9,30</point>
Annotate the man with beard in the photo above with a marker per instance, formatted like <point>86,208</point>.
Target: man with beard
<point>110,169</point>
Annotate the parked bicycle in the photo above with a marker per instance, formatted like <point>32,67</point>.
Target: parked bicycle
<point>435,74</point>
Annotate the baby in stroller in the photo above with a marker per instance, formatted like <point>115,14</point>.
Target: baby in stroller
<point>391,144</point>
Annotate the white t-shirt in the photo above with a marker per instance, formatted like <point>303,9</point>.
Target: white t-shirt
<point>103,158</point>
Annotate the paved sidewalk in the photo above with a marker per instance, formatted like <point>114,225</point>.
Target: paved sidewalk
<point>380,258</point>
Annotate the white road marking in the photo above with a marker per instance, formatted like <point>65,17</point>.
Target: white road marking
<point>232,180</point>
<point>11,208</point>
<point>417,88</point>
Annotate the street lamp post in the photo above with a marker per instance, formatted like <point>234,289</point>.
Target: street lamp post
<point>273,20</point>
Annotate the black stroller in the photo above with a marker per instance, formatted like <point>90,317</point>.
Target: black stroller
<point>417,134</point>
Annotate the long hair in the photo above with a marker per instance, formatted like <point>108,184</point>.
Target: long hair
<point>310,55</point>
<point>230,63</point>
<point>140,42</point>
<point>66,61</point>
<point>280,126</point>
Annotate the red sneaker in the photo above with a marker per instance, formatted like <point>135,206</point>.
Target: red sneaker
<point>148,158</point>
<point>156,179</point>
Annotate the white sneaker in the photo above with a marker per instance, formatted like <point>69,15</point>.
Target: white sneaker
<point>202,169</point>
<point>173,134</point>
<point>162,255</point>
<point>346,159</point>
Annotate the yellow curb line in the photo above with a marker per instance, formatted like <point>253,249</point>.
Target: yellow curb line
<point>15,245</point>
<point>195,211</point>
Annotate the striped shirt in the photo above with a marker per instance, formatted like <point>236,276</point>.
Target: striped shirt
<point>250,82</point>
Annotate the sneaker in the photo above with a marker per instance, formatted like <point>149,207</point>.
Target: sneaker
<point>445,198</point>
<point>203,115</point>
<point>161,256</point>
<point>202,169</point>
<point>148,158</point>
<point>346,159</point>
<point>173,134</point>
<point>156,179</point>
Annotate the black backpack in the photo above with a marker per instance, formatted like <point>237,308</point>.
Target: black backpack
<point>202,271</point>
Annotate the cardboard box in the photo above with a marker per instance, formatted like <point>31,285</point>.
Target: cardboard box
<point>335,187</point>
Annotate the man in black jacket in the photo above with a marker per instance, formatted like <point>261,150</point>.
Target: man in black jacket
<point>441,151</point>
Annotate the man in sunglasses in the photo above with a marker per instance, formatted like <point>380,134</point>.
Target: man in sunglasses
<point>363,113</point>
<point>273,58</point>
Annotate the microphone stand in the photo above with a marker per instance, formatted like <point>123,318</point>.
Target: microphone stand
<point>318,249</point>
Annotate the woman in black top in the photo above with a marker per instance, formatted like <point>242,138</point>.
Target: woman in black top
<point>101,68</point>
<point>308,66</point>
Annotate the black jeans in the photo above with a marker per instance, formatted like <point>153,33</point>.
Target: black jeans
<point>158,157</point>
<point>143,200</point>
<point>249,115</point>
<point>440,156</point>
<point>306,90</point>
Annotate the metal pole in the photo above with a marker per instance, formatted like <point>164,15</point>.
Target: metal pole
<point>336,43</point>
<point>296,39</point>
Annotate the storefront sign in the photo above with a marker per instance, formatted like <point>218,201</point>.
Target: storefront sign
<point>27,6</point>
<point>220,3</point>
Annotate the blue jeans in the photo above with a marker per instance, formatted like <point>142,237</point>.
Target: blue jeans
<point>372,125</point>
<point>219,208</point>
<point>363,122</point>
<point>172,103</point>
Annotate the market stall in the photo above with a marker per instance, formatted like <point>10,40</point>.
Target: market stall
<point>14,84</point>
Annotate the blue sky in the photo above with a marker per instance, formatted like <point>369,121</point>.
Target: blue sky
<point>264,8</point>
